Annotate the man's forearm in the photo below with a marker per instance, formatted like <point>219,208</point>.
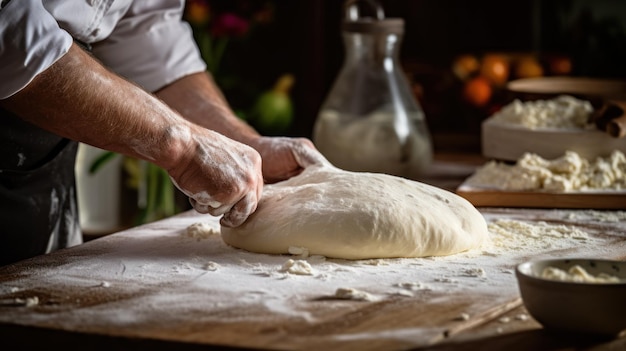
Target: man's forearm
<point>79,99</point>
<point>197,98</point>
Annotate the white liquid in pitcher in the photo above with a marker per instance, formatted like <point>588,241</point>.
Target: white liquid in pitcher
<point>373,144</point>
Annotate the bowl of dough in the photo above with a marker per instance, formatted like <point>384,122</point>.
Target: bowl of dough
<point>575,295</point>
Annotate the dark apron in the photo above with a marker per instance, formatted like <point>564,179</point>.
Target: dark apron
<point>38,207</point>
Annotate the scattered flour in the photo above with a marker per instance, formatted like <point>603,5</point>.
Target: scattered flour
<point>376,262</point>
<point>353,294</point>
<point>32,301</point>
<point>475,272</point>
<point>510,234</point>
<point>160,275</point>
<point>404,293</point>
<point>599,216</point>
<point>28,302</point>
<point>212,266</point>
<point>571,172</point>
<point>521,317</point>
<point>463,317</point>
<point>413,286</point>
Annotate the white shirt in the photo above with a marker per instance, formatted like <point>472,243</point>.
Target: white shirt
<point>144,41</point>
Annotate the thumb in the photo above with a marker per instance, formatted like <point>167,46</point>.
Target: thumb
<point>306,156</point>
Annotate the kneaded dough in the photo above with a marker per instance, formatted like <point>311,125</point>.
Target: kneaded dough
<point>357,215</point>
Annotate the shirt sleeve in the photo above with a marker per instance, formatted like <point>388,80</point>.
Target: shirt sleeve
<point>30,42</point>
<point>151,45</point>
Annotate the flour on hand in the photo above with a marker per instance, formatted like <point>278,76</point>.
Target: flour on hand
<point>354,215</point>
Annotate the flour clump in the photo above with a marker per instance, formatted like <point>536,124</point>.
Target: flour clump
<point>201,230</point>
<point>562,112</point>
<point>353,294</point>
<point>298,267</point>
<point>358,215</point>
<point>570,172</point>
<point>577,274</point>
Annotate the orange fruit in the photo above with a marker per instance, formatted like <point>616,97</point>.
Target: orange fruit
<point>495,68</point>
<point>560,65</point>
<point>465,65</point>
<point>197,13</point>
<point>528,67</point>
<point>477,91</point>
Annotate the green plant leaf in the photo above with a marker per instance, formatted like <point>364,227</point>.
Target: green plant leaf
<point>168,204</point>
<point>101,160</point>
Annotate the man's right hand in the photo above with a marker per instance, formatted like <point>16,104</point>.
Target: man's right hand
<point>220,176</point>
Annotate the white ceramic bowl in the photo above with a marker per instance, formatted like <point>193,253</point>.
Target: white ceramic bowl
<point>591,308</point>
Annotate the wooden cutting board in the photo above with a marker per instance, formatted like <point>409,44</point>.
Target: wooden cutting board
<point>539,199</point>
<point>155,282</point>
<point>582,86</point>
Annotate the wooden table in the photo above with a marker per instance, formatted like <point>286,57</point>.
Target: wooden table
<point>154,287</point>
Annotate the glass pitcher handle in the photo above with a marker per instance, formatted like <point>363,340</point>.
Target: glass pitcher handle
<point>352,9</point>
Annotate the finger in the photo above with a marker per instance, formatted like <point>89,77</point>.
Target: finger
<point>200,208</point>
<point>241,211</point>
<point>306,156</point>
<point>212,207</point>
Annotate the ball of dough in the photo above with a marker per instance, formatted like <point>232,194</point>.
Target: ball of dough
<point>357,215</point>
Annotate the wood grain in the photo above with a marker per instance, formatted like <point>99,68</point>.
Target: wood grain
<point>71,301</point>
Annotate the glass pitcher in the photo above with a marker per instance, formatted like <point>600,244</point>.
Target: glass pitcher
<point>370,121</point>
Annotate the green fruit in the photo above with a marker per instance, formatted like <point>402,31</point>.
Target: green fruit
<point>273,110</point>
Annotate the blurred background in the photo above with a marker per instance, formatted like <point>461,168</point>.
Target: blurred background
<point>457,54</point>
<point>276,60</point>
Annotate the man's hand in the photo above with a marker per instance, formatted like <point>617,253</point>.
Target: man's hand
<point>284,157</point>
<point>220,176</point>
<point>199,100</point>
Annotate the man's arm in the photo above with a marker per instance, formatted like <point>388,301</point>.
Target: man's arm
<point>198,99</point>
<point>79,99</point>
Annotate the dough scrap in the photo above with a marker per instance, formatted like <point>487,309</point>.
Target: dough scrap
<point>298,267</point>
<point>358,215</point>
<point>201,230</point>
<point>353,294</point>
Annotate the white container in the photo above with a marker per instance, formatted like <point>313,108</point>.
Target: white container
<point>98,193</point>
